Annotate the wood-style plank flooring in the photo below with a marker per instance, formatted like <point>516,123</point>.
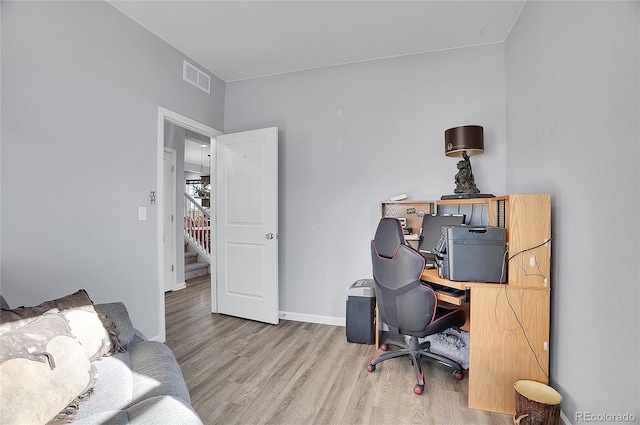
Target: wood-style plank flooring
<point>244,372</point>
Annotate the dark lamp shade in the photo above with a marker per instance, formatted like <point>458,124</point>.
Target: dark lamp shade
<point>469,138</point>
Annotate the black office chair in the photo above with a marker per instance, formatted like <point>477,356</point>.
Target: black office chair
<point>406,305</point>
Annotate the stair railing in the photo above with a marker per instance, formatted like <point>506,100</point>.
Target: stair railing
<point>197,226</point>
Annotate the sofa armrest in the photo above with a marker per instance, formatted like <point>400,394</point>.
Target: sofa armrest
<point>117,314</point>
<point>3,303</point>
<point>139,336</point>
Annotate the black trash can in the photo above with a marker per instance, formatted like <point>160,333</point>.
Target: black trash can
<point>361,307</point>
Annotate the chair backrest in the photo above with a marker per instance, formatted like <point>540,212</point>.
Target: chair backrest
<point>405,305</point>
<point>388,236</point>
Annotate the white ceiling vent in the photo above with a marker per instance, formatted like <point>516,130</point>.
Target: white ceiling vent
<point>193,75</point>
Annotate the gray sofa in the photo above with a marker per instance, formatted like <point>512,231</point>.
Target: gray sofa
<point>138,382</point>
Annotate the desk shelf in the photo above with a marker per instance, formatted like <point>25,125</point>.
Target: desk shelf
<point>451,299</point>
<point>412,211</point>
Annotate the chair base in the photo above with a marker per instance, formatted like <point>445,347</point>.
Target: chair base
<point>416,352</point>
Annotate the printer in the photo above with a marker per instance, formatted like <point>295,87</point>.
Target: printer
<point>472,254</point>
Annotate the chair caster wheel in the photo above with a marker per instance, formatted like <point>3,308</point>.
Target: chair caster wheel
<point>371,368</point>
<point>418,389</point>
<point>458,375</point>
<point>384,347</point>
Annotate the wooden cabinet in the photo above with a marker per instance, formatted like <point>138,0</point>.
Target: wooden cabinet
<point>508,342</point>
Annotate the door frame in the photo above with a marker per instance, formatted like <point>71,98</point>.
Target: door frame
<point>170,201</point>
<point>180,120</point>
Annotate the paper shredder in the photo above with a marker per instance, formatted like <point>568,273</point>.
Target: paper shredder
<point>361,306</point>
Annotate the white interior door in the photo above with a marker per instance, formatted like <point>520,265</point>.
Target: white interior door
<point>247,224</point>
<point>168,226</point>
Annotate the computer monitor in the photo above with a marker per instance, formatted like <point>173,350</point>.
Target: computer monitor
<point>431,231</point>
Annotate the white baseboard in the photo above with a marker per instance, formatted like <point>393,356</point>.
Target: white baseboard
<point>179,286</point>
<point>312,318</point>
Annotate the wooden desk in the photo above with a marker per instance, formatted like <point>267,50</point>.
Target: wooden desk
<point>499,353</point>
<point>508,323</point>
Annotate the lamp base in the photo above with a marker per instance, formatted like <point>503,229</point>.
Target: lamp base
<point>468,196</point>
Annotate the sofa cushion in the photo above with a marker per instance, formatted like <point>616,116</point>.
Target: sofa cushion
<point>156,372</point>
<point>147,369</point>
<point>78,309</point>
<point>43,368</point>
<point>160,410</point>
<point>105,417</point>
<point>113,389</point>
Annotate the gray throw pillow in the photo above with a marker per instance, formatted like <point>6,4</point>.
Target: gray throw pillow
<point>117,317</point>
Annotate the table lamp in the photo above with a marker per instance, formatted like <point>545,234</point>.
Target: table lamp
<point>465,141</point>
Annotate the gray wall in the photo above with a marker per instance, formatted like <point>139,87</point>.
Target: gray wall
<point>572,81</point>
<point>81,87</point>
<point>354,135</point>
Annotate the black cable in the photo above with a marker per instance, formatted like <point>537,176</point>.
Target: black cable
<point>529,249</point>
<point>524,333</point>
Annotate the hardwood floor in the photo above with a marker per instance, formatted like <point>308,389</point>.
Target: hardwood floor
<point>244,372</point>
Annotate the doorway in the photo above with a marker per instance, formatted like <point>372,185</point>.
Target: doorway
<point>186,123</point>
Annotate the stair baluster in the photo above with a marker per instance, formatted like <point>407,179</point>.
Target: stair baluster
<point>197,227</point>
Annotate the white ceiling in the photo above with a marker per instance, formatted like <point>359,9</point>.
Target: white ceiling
<point>236,40</point>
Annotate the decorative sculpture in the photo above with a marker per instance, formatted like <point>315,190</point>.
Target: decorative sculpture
<point>465,182</point>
